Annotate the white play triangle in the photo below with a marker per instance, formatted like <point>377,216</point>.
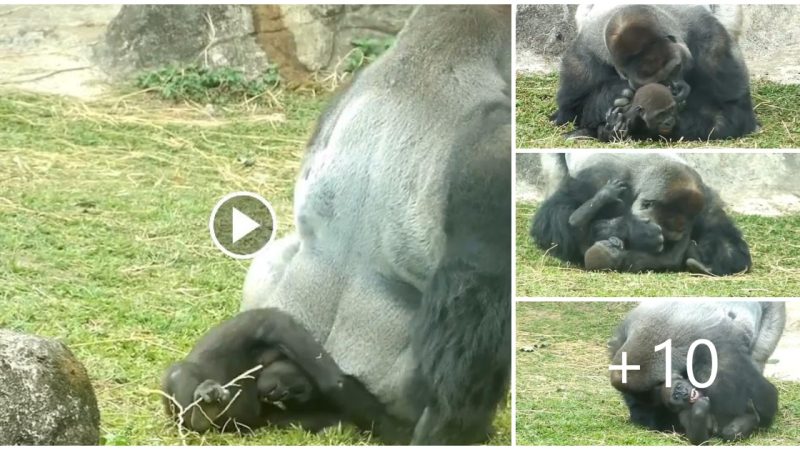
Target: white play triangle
<point>242,225</point>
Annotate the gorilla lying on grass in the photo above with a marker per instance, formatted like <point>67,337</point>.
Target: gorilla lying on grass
<point>739,401</point>
<point>636,212</point>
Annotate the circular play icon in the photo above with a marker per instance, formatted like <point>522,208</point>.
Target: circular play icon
<point>241,224</point>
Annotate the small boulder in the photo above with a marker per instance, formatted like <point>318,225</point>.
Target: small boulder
<point>46,394</point>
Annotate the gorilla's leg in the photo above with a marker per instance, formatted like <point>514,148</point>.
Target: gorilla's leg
<point>741,398</point>
<point>721,249</point>
<point>259,336</point>
<point>610,254</point>
<point>773,320</point>
<point>740,427</point>
<point>732,119</point>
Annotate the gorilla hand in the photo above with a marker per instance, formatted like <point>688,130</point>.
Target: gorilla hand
<point>210,391</point>
<point>680,92</point>
<point>617,121</point>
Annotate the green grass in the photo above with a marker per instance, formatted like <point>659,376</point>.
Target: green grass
<point>563,393</point>
<point>775,106</point>
<point>773,245</point>
<point>104,235</point>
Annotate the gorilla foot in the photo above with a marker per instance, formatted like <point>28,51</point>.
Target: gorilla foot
<point>579,134</point>
<point>604,255</point>
<point>693,263</point>
<point>695,266</point>
<point>282,381</point>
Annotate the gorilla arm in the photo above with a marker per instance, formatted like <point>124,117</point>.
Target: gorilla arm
<point>721,106</point>
<point>469,296</point>
<point>262,336</point>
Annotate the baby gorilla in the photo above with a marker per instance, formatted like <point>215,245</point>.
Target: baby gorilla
<point>653,108</point>
<point>652,112</point>
<point>608,236</point>
<point>299,383</point>
<point>693,409</point>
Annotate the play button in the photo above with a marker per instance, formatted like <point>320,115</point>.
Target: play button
<point>241,224</point>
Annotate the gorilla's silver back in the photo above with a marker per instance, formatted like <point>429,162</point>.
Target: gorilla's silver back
<point>730,16</point>
<point>556,167</point>
<point>370,199</point>
<point>760,324</point>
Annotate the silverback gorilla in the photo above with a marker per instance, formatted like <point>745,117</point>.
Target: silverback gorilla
<point>620,48</point>
<point>625,196</point>
<point>740,399</point>
<point>400,259</point>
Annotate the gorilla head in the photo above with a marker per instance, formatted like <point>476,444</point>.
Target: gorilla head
<point>654,105</point>
<point>642,49</point>
<point>671,195</point>
<point>738,401</point>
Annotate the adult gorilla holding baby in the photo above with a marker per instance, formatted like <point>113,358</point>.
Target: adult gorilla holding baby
<point>738,401</point>
<point>400,262</point>
<point>636,212</point>
<point>621,48</point>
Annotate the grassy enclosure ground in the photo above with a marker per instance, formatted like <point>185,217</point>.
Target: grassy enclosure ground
<point>563,393</point>
<point>775,106</point>
<point>773,246</point>
<point>104,235</point>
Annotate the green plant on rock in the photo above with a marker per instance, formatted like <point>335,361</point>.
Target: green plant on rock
<point>208,84</point>
<point>365,51</point>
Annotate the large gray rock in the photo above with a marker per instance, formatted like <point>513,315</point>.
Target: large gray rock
<point>46,395</point>
<point>299,39</point>
<point>316,38</point>
<point>770,39</point>
<point>152,36</point>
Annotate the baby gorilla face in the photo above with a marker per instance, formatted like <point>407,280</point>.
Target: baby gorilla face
<point>681,395</point>
<point>656,106</point>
